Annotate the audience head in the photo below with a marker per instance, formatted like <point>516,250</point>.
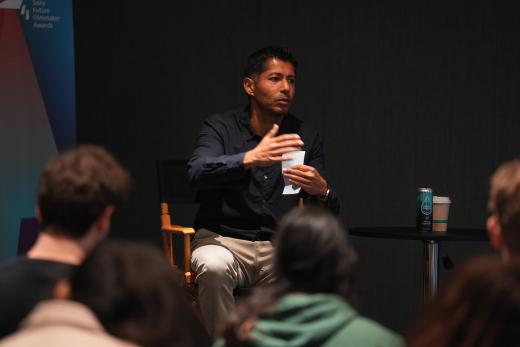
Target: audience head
<point>479,307</point>
<point>135,294</point>
<point>80,188</point>
<point>313,253</point>
<point>504,206</point>
<point>256,61</point>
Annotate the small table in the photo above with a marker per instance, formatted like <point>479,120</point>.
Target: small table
<point>431,246</point>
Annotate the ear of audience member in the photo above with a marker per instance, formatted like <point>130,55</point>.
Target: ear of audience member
<point>135,294</point>
<point>504,204</point>
<point>479,306</point>
<point>308,303</point>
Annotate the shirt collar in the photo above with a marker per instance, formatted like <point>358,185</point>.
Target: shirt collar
<point>245,121</point>
<point>286,127</point>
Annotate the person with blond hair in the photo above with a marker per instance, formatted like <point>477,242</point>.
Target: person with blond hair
<point>479,306</point>
<point>503,224</point>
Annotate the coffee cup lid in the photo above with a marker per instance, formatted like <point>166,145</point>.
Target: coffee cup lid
<point>441,200</point>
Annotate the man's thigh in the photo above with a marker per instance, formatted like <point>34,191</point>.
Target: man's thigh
<point>265,262</point>
<point>213,259</point>
<point>244,253</point>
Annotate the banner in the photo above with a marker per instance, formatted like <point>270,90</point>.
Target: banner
<point>37,103</point>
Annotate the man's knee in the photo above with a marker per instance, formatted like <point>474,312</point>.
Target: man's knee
<point>213,262</point>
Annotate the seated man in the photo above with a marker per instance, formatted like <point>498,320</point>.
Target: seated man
<point>236,164</point>
<point>77,194</point>
<point>504,204</point>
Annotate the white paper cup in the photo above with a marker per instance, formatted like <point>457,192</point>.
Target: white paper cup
<point>297,157</point>
<point>441,211</point>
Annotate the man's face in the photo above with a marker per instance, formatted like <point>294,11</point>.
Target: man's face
<point>273,89</point>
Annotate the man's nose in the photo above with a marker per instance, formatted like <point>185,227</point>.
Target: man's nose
<point>285,86</point>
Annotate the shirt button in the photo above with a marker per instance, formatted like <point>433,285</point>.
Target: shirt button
<point>265,177</point>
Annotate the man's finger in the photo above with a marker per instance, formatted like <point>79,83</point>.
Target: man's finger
<point>303,185</point>
<point>284,150</point>
<point>277,158</point>
<point>286,144</point>
<point>298,179</point>
<point>285,137</point>
<point>273,131</point>
<point>299,173</point>
<point>302,167</point>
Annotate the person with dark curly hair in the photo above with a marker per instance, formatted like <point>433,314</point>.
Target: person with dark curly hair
<point>78,192</point>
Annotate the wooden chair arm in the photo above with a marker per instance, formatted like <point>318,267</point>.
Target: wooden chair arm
<point>178,229</point>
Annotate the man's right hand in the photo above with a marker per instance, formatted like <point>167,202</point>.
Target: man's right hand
<point>271,148</point>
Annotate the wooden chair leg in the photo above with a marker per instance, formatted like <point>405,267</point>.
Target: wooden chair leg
<point>168,248</point>
<point>187,260</point>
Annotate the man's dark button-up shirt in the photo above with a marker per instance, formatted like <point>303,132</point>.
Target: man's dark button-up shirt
<point>242,203</point>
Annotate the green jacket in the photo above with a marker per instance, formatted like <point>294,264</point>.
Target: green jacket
<point>299,320</point>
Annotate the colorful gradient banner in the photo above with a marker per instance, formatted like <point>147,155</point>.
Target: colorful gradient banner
<point>37,103</point>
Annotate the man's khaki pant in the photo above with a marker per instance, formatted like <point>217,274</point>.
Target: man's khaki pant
<point>222,264</point>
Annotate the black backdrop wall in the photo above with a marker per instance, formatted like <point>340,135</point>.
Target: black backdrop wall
<point>405,94</point>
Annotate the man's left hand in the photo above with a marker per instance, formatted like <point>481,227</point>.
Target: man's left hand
<point>308,178</point>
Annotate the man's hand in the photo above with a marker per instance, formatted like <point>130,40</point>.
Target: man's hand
<point>308,178</point>
<point>271,148</point>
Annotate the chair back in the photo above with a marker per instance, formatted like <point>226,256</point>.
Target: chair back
<point>174,183</point>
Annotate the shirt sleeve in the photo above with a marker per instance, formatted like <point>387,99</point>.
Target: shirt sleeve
<point>317,160</point>
<point>209,165</point>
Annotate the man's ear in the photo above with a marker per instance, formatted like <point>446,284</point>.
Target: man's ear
<point>495,233</point>
<point>103,220</point>
<point>249,86</point>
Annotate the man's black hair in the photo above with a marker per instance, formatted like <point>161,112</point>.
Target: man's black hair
<point>256,61</point>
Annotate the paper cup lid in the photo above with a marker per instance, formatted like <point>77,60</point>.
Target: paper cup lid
<point>441,200</point>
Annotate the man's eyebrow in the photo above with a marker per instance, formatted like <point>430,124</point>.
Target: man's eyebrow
<point>276,73</point>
